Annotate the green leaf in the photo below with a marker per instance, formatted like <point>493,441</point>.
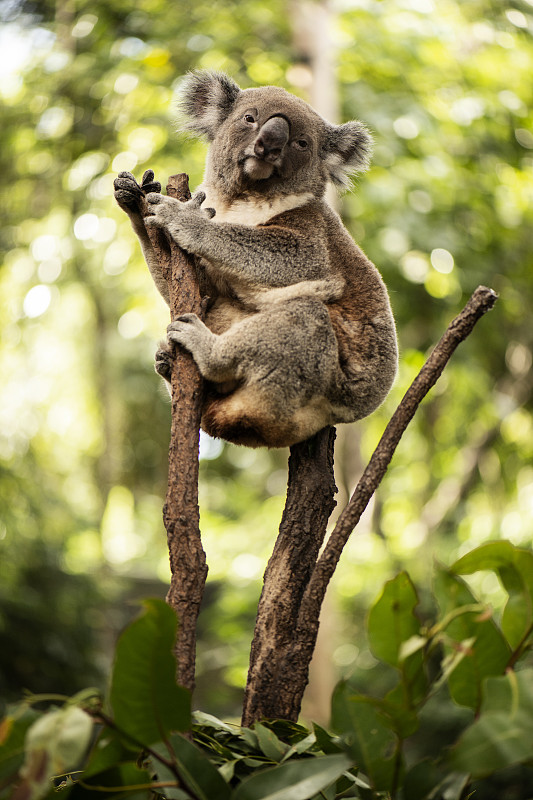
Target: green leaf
<point>12,734</point>
<point>488,654</point>
<point>488,556</point>
<point>394,636</point>
<point>147,703</point>
<point>200,718</point>
<point>503,733</point>
<point>327,742</point>
<point>270,745</point>
<point>300,747</point>
<point>391,620</point>
<point>295,780</point>
<point>286,730</point>
<point>514,567</point>
<point>196,770</point>
<point>397,708</point>
<point>366,734</point>
<point>107,752</point>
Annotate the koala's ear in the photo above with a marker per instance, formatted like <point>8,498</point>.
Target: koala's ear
<point>206,100</point>
<point>347,149</point>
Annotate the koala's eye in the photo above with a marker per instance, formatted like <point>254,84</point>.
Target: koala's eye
<point>303,144</point>
<point>249,118</point>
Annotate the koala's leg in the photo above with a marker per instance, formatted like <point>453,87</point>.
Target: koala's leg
<point>215,360</point>
<point>282,361</point>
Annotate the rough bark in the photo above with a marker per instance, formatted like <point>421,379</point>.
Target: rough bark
<point>286,656</point>
<point>309,503</point>
<point>181,513</point>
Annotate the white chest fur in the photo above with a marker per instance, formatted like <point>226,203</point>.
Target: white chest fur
<point>252,211</point>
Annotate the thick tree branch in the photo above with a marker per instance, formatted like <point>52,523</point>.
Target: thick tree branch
<point>309,503</point>
<point>181,513</point>
<point>290,658</point>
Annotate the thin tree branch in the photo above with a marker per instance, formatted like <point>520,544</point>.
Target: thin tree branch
<point>181,513</point>
<point>482,300</point>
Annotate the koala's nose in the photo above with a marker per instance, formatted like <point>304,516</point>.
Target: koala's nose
<point>272,138</point>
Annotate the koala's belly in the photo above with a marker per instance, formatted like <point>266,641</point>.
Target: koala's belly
<point>224,313</point>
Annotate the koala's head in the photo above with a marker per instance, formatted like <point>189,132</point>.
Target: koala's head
<point>268,141</point>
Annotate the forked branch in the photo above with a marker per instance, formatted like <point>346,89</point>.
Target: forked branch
<point>289,653</point>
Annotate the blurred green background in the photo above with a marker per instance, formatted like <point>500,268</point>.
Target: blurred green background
<point>87,90</point>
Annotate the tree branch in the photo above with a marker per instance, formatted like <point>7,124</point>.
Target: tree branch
<point>310,491</point>
<point>181,513</point>
<point>290,658</point>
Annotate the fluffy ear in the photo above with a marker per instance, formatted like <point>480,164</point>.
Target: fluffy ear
<point>347,149</point>
<point>206,99</point>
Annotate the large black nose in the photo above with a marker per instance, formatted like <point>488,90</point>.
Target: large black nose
<point>272,138</point>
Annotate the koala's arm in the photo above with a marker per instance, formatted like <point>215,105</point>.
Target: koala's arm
<point>128,195</point>
<point>268,255</point>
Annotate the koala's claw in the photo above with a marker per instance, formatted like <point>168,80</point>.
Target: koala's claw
<point>196,203</point>
<point>197,199</point>
<point>191,318</point>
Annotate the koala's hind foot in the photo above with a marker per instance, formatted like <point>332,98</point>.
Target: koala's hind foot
<point>190,332</point>
<point>163,360</point>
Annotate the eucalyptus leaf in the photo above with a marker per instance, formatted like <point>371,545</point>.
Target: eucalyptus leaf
<point>147,704</point>
<point>13,731</point>
<point>107,752</point>
<point>514,567</point>
<point>391,621</point>
<point>300,747</point>
<point>328,742</point>
<point>294,780</point>
<point>209,721</point>
<point>394,636</point>
<point>503,733</point>
<point>366,735</point>
<point>488,652</point>
<point>270,745</point>
<point>196,770</point>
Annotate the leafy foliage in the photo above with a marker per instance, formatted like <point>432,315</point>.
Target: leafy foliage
<point>138,748</point>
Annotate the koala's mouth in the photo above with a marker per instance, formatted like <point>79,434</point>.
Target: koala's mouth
<point>258,169</point>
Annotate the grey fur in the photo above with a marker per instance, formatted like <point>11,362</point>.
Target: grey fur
<point>298,333</point>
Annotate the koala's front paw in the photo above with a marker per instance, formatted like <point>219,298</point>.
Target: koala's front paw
<point>183,221</point>
<point>128,193</point>
<point>163,360</point>
<point>189,331</point>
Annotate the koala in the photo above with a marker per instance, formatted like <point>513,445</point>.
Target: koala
<point>298,331</point>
